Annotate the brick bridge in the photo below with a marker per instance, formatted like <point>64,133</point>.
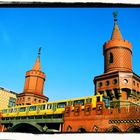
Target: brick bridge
<point>100,119</point>
<point>123,119</point>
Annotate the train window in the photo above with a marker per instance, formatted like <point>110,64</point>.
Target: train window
<point>106,101</point>
<point>14,109</point>
<point>42,107</point>
<point>89,100</point>
<point>4,111</point>
<point>69,102</point>
<point>32,108</point>
<point>11,110</point>
<point>98,99</point>
<point>22,109</point>
<point>49,106</point>
<point>61,105</point>
<point>80,102</point>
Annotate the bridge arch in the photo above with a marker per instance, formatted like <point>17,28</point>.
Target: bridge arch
<point>82,130</point>
<point>26,128</point>
<point>133,129</point>
<point>114,129</point>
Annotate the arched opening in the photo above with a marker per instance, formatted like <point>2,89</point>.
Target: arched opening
<point>134,129</point>
<point>114,129</point>
<point>69,128</point>
<point>125,93</point>
<point>82,130</point>
<point>25,128</point>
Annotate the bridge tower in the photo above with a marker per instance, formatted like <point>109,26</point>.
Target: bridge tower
<point>33,87</point>
<point>118,82</point>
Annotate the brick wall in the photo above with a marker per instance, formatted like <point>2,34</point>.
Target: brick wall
<point>101,119</point>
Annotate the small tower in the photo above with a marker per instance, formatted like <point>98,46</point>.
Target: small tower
<point>117,52</point>
<point>118,81</point>
<point>33,87</point>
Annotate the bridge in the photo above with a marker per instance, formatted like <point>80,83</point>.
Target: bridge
<point>78,119</point>
<point>34,124</point>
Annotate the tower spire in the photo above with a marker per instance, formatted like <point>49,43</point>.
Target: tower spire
<point>115,14</point>
<point>39,50</point>
<point>116,34</point>
<point>37,65</point>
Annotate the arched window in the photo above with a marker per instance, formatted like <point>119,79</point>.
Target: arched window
<point>110,58</point>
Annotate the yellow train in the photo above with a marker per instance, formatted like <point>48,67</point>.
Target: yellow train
<point>56,107</point>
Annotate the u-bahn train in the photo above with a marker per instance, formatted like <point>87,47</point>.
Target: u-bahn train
<point>56,107</point>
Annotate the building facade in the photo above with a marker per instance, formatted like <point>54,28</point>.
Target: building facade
<point>7,98</point>
<point>118,82</point>
<point>33,87</point>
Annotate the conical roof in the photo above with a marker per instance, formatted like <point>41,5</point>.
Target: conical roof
<point>116,34</point>
<point>37,65</point>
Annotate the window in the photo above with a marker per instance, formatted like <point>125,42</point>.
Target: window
<point>32,108</point>
<point>61,105</point>
<point>14,109</point>
<point>42,107</point>
<point>69,102</point>
<point>125,81</point>
<point>10,110</point>
<point>89,100</point>
<point>22,109</point>
<point>29,98</point>
<point>4,111</point>
<point>81,102</point>
<point>98,99</point>
<point>110,58</point>
<point>115,81</point>
<point>100,84</point>
<point>49,106</point>
<point>87,109</point>
<point>107,83</point>
<point>12,102</point>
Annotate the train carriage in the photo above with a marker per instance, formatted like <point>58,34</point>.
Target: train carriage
<point>56,107</point>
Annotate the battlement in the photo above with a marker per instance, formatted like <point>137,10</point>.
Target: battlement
<point>101,111</point>
<point>119,43</point>
<point>36,73</point>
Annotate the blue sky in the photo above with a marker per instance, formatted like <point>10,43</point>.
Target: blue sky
<point>72,46</point>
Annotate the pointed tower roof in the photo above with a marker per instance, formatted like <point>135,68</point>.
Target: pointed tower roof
<point>116,34</point>
<point>37,65</point>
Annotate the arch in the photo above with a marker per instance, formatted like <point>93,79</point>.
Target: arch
<point>95,128</point>
<point>114,129</point>
<point>82,130</point>
<point>27,128</point>
<point>69,128</point>
<point>133,129</point>
<point>126,93</point>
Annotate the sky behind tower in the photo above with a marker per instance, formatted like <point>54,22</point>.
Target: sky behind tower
<point>72,46</point>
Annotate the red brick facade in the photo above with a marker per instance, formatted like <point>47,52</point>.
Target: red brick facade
<point>118,81</point>
<point>102,120</point>
<point>120,84</point>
